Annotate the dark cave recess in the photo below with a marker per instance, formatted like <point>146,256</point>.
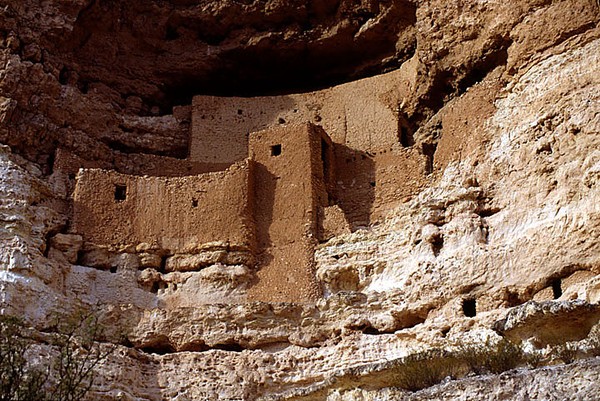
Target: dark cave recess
<point>168,51</point>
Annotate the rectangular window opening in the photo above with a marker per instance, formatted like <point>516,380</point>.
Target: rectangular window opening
<point>557,288</point>
<point>120,192</point>
<point>276,150</point>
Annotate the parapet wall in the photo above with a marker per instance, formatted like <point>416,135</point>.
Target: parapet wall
<point>135,164</point>
<point>112,209</point>
<point>363,115</point>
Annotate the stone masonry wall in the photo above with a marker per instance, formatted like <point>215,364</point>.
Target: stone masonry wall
<point>115,209</point>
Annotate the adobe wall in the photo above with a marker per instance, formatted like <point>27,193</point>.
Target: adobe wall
<point>289,189</point>
<point>69,163</point>
<point>170,212</point>
<point>135,164</point>
<point>362,115</point>
<point>369,184</point>
<point>400,173</point>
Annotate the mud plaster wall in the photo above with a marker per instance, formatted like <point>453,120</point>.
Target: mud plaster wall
<point>289,188</point>
<point>363,115</point>
<point>170,212</point>
<point>135,164</point>
<point>399,175</point>
<point>369,184</point>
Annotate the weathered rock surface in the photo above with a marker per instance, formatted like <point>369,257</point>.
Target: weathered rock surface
<point>505,106</point>
<point>550,322</point>
<point>578,381</point>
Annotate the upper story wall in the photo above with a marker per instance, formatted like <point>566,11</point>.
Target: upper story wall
<point>135,164</point>
<point>363,115</point>
<point>293,172</point>
<point>114,209</point>
<point>368,185</point>
<point>292,165</point>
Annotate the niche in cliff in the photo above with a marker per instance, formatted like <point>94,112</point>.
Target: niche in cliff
<point>168,51</point>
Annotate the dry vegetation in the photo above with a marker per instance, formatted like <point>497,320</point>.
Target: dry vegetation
<point>425,369</point>
<point>63,371</point>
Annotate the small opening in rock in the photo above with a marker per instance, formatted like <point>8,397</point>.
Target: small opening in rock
<point>160,348</point>
<point>120,192</point>
<point>124,128</point>
<point>437,243</point>
<point>240,112</point>
<point>373,184</point>
<point>368,329</point>
<point>275,150</point>
<point>63,76</point>
<point>557,288</point>
<point>83,87</point>
<point>469,307</point>
<point>113,269</point>
<point>281,120</point>
<point>80,258</point>
<point>50,163</point>
<point>194,202</point>
<point>157,286</point>
<point>163,264</point>
<point>487,211</point>
<point>229,347</point>
<point>406,138</point>
<point>512,299</point>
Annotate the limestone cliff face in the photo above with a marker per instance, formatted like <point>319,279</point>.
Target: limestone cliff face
<point>501,222</point>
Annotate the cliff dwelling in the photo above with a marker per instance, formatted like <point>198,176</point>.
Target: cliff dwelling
<point>312,201</point>
<point>272,177</point>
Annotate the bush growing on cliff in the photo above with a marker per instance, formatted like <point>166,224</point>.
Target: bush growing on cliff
<point>425,369</point>
<point>492,357</point>
<point>66,374</point>
<point>18,379</point>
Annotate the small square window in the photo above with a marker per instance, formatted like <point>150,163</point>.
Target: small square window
<point>120,192</point>
<point>275,150</point>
